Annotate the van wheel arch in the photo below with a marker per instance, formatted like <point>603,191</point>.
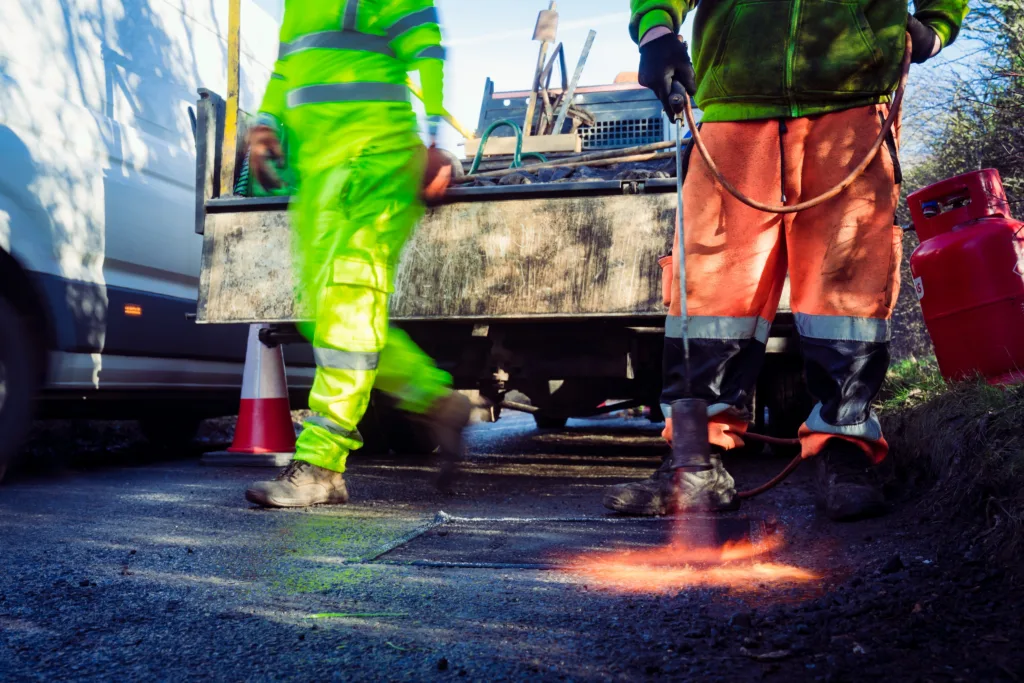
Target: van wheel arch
<point>17,287</point>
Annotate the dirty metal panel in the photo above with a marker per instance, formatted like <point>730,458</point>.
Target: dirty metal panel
<point>247,269</point>
<point>575,256</point>
<point>568,256</point>
<point>551,543</point>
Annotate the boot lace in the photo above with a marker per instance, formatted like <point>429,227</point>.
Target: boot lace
<point>292,471</point>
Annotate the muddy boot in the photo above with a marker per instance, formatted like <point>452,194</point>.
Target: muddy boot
<point>446,419</point>
<point>845,487</point>
<point>702,491</point>
<point>300,485</point>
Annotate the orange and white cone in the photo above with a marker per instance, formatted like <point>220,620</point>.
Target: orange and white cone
<point>264,435</point>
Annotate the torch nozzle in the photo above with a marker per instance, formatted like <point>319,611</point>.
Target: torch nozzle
<point>690,447</point>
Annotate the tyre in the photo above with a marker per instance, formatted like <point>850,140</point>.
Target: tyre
<point>19,381</point>
<point>570,398</point>
<point>549,420</point>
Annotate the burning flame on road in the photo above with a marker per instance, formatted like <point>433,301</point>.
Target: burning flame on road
<point>740,566</point>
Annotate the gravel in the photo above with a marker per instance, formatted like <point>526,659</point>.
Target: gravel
<point>158,569</point>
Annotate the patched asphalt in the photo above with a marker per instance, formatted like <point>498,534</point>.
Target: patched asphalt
<point>115,570</point>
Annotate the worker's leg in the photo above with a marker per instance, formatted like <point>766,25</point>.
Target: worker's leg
<point>350,224</point>
<point>410,375</point>
<point>377,208</point>
<point>735,262</point>
<point>844,259</point>
<point>425,392</point>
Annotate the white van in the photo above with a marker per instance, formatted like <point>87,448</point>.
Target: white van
<point>99,260</point>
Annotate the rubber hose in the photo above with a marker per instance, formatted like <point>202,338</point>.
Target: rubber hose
<point>517,158</point>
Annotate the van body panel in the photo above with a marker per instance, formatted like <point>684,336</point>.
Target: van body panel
<point>97,184</point>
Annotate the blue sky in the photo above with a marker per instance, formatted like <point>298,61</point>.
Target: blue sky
<point>494,38</point>
<point>491,38</point>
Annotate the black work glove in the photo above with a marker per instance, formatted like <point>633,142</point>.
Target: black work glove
<point>662,61</point>
<point>922,39</point>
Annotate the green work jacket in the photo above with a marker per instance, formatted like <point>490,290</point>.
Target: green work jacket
<point>339,90</point>
<point>760,59</point>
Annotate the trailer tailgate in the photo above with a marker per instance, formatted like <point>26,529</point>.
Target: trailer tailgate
<point>578,249</point>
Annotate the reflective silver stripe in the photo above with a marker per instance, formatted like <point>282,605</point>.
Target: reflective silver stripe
<point>843,328</point>
<point>411,21</point>
<point>715,327</point>
<point>351,14</point>
<point>432,52</point>
<point>869,430</point>
<point>334,428</point>
<point>716,409</point>
<point>348,92</point>
<point>336,40</point>
<point>336,359</point>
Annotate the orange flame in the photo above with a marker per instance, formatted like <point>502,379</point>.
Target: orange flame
<point>734,565</point>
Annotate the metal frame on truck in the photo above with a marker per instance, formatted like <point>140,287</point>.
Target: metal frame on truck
<point>553,290</point>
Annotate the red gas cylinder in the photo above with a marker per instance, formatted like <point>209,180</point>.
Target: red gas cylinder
<point>969,276</point>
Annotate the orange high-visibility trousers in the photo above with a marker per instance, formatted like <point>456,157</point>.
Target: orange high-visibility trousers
<point>843,262</point>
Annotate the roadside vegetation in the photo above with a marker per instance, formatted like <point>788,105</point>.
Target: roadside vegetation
<point>968,114</point>
<point>960,443</point>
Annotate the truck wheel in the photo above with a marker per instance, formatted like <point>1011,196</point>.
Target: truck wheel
<point>573,398</point>
<point>783,401</point>
<point>549,420</point>
<point>19,381</point>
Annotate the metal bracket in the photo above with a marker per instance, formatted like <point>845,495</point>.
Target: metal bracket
<point>632,186</point>
<point>209,134</point>
<point>275,335</point>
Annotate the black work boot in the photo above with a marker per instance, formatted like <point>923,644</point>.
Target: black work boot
<point>447,417</point>
<point>710,490</point>
<point>300,485</point>
<point>845,486</point>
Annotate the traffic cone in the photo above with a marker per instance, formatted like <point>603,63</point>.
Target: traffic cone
<point>264,435</point>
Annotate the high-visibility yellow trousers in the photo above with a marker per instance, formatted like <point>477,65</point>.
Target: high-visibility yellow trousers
<point>350,222</point>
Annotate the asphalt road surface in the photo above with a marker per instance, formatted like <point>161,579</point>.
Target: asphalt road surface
<point>120,570</point>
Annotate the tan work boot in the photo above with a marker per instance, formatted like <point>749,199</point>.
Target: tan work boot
<point>844,483</point>
<point>712,490</point>
<point>447,417</point>
<point>300,485</point>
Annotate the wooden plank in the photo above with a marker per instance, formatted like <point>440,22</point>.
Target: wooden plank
<point>538,143</point>
<point>545,32</point>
